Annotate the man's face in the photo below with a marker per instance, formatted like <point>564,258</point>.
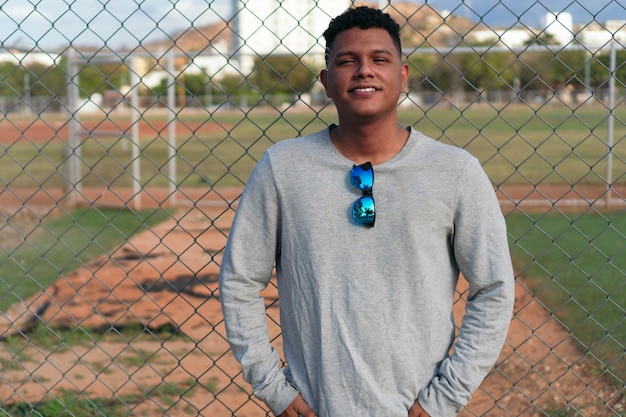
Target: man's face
<point>365,74</point>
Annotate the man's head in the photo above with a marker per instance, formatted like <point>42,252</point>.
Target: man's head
<point>362,17</point>
<point>364,74</point>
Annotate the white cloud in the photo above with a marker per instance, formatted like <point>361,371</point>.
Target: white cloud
<point>15,9</point>
<point>53,23</point>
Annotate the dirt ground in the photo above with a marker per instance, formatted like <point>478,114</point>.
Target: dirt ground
<point>58,129</point>
<point>166,277</point>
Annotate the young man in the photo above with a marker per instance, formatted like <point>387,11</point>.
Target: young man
<point>367,271</point>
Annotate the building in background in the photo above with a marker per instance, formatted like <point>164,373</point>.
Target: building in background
<point>294,27</point>
<point>28,57</point>
<point>560,27</point>
<point>595,35</point>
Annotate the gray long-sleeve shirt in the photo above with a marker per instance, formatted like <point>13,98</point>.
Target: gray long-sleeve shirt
<point>366,312</point>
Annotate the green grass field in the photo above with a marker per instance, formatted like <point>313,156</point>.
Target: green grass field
<point>516,145</point>
<point>576,265</point>
<point>63,243</point>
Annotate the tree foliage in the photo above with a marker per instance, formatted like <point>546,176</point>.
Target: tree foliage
<point>490,71</point>
<point>35,80</point>
<point>282,75</point>
<point>287,76</point>
<point>530,69</point>
<point>102,77</point>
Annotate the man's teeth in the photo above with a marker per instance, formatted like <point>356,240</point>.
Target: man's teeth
<point>365,90</point>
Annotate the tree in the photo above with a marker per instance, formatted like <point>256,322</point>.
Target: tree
<point>102,77</point>
<point>567,67</point>
<point>600,69</point>
<point>445,74</point>
<point>489,71</point>
<point>280,74</point>
<point>541,70</point>
<point>47,81</point>
<point>233,84</point>
<point>195,84</point>
<point>419,66</point>
<point>544,38</point>
<point>11,79</point>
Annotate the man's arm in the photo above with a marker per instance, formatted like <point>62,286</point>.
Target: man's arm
<point>246,270</point>
<point>481,251</point>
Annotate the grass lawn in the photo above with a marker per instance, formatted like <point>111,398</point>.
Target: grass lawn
<point>63,243</point>
<point>576,265</point>
<point>516,144</point>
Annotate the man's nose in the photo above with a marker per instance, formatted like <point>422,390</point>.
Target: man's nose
<point>364,70</point>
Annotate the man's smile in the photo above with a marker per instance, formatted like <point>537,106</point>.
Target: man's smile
<point>363,90</point>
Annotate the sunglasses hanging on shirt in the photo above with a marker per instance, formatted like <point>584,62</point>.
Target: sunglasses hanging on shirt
<point>363,209</point>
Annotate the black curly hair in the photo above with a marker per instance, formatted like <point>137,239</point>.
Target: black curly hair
<point>363,17</point>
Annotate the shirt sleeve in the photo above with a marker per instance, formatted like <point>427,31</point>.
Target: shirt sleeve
<point>246,269</point>
<point>482,253</point>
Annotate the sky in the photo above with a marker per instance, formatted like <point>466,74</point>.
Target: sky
<point>532,12</point>
<point>51,24</point>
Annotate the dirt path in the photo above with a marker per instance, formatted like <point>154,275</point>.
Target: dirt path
<point>167,277</point>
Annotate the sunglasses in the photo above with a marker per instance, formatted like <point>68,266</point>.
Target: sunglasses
<point>363,209</point>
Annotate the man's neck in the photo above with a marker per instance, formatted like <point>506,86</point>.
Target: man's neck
<point>376,143</point>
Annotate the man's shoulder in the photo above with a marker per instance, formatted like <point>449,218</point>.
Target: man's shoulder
<point>437,148</point>
<point>292,147</point>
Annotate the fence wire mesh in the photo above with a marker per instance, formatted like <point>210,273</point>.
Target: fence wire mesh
<point>128,132</point>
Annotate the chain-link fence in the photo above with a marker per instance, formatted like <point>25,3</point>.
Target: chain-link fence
<point>129,129</point>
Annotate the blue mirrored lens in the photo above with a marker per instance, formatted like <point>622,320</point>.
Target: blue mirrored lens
<point>363,211</point>
<point>362,176</point>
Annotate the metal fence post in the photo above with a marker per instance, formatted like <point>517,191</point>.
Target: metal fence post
<point>136,145</point>
<point>171,127</point>
<point>72,157</point>
<point>611,124</point>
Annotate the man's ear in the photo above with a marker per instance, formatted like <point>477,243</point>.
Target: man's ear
<point>405,76</point>
<point>324,79</point>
